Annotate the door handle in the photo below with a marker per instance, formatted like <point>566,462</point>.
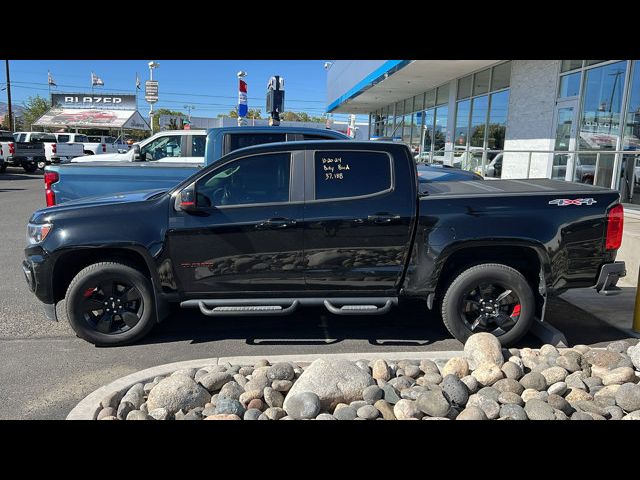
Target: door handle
<point>276,223</point>
<point>383,218</point>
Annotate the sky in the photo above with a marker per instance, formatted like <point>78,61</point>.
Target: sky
<point>210,85</point>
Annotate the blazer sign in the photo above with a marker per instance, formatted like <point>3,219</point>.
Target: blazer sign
<point>83,100</point>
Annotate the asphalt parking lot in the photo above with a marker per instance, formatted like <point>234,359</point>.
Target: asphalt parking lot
<point>45,369</point>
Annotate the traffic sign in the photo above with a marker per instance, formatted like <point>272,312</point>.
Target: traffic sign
<point>151,91</point>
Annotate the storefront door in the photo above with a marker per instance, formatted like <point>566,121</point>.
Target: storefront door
<point>565,140</point>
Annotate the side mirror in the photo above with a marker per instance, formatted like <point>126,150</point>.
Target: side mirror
<point>186,199</point>
<point>136,153</point>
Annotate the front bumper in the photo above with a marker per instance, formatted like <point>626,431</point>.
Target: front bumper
<point>37,275</point>
<point>608,278</point>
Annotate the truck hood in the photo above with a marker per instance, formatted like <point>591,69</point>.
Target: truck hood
<point>44,214</point>
<point>104,157</point>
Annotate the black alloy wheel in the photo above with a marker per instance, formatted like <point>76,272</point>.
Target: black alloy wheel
<point>112,307</point>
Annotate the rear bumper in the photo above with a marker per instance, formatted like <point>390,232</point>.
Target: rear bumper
<point>20,161</point>
<point>608,278</point>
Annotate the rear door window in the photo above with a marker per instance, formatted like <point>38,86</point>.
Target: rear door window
<point>80,138</point>
<point>241,140</point>
<point>63,138</point>
<point>343,174</point>
<point>198,143</point>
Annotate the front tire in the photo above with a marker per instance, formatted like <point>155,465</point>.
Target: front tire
<point>491,298</point>
<point>110,304</point>
<point>30,167</point>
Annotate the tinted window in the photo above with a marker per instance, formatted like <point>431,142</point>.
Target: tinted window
<point>317,137</point>
<point>197,145</point>
<point>241,140</point>
<point>63,138</point>
<point>255,179</point>
<point>95,139</point>
<point>162,147</point>
<point>351,174</point>
<point>43,137</point>
<point>109,139</point>
<point>6,137</point>
<point>81,138</point>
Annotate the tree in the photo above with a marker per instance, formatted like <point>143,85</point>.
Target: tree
<point>254,113</point>
<point>164,111</point>
<point>34,108</point>
<point>251,113</point>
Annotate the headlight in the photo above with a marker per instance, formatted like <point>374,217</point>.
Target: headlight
<point>37,232</point>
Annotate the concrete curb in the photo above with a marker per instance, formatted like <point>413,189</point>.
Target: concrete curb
<point>89,406</point>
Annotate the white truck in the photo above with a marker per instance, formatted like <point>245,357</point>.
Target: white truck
<point>170,146</point>
<point>55,152</point>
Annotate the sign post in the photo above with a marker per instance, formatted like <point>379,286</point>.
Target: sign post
<point>151,91</point>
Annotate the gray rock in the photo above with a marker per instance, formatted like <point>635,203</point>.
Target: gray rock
<point>608,391</point>
<point>539,410</point>
<point>634,355</point>
<point>512,411</point>
<point>614,412</point>
<point>406,410</point>
<point>135,395</point>
<point>489,407</point>
<point>390,394</point>
<point>148,386</point>
<point>144,407</point>
<point>429,379</point>
<point>558,388</point>
<point>372,394</point>
<point>490,392</point>
<point>603,358</point>
<point>303,405</point>
<point>333,381</point>
<point>632,416</point>
<point>455,391</point>
<point>159,414</point>
<point>215,380</point>
<point>412,393</point>
<point>547,349</point>
<point>233,369</point>
<point>208,411</point>
<point>240,380</point>
<point>592,382</point>
<point>535,381</point>
<point>554,375</point>
<point>429,366</point>
<point>281,371</point>
<point>177,392</point>
<point>358,403</point>
<point>619,346</point>
<point>472,413</point>
<point>574,381</point>
<point>112,400</point>
<point>380,370</point>
<point>433,403</point>
<point>589,406</point>
<point>326,416</point>
<point>412,371</point>
<point>512,370</point>
<point>618,376</point>
<point>245,371</point>
<point>282,385</point>
<point>230,406</point>
<point>576,394</point>
<point>107,412</point>
<point>402,382</point>
<point>259,379</point>
<point>368,412</point>
<point>487,374</point>
<point>628,397</point>
<point>471,383</point>
<point>124,408</point>
<point>578,415</point>
<point>231,390</point>
<point>385,409</point>
<point>252,414</point>
<point>262,363</point>
<point>508,385</point>
<point>605,401</point>
<point>346,413</point>
<point>518,362</point>
<point>255,403</point>
<point>457,366</point>
<point>273,398</point>
<point>138,415</point>
<point>483,348</point>
<point>189,372</point>
<point>249,395</point>
<point>193,415</point>
<point>263,416</point>
<point>506,398</point>
<point>275,413</point>
<point>571,363</point>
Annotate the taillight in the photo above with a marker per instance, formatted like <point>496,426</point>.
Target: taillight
<point>104,148</point>
<point>615,221</point>
<point>12,148</point>
<point>54,148</point>
<point>49,179</point>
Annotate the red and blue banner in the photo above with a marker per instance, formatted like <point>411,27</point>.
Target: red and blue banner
<point>242,98</point>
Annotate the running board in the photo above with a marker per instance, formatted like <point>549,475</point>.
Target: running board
<point>285,306</point>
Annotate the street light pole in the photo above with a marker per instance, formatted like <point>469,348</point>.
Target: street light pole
<point>152,66</point>
<point>188,108</point>
<point>9,109</point>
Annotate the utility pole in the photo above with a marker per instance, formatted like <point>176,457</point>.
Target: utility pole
<point>10,109</point>
<point>188,108</point>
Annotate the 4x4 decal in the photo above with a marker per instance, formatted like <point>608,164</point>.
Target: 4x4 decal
<point>563,202</point>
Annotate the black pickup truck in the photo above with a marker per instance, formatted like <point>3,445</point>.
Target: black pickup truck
<point>271,228</point>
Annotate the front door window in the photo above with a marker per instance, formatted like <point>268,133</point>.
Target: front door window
<point>162,147</point>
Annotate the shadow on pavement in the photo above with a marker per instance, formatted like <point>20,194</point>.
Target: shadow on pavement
<point>12,176</point>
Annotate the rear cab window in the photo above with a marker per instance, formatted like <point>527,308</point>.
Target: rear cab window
<point>6,137</point>
<point>234,141</point>
<point>347,174</point>
<point>43,137</point>
<point>63,138</point>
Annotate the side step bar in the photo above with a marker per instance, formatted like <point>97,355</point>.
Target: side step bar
<point>285,306</point>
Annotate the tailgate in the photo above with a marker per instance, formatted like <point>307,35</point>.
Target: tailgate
<point>69,149</point>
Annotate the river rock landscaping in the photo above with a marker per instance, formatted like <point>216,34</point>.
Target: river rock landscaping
<point>486,382</point>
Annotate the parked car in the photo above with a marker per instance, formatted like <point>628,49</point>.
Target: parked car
<point>28,155</point>
<point>92,144</point>
<point>162,161</point>
<point>341,224</point>
<point>54,152</point>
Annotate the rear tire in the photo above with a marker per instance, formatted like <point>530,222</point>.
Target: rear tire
<point>453,313</point>
<point>88,286</point>
<point>3,168</point>
<point>88,152</point>
<point>41,165</point>
<point>30,167</point>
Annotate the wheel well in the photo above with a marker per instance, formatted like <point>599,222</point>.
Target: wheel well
<point>523,259</point>
<point>69,264</point>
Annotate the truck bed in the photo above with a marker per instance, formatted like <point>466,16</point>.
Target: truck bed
<point>509,187</point>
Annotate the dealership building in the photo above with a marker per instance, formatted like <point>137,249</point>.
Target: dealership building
<point>577,120</point>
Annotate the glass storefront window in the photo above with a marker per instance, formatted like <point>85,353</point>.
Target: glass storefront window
<point>568,65</point>
<point>630,167</point>
<point>498,120</point>
<point>481,82</point>
<point>464,87</point>
<point>442,96</point>
<point>479,110</point>
<point>430,99</point>
<point>427,130</point>
<point>440,128</point>
<point>406,133</point>
<point>501,77</point>
<point>462,123</point>
<point>399,109</point>
<point>418,102</point>
<point>593,62</point>
<point>569,85</point>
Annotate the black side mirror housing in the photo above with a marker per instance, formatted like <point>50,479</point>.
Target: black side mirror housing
<point>186,199</point>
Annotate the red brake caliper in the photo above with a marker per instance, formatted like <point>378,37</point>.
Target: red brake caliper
<point>516,311</point>
<point>89,291</point>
